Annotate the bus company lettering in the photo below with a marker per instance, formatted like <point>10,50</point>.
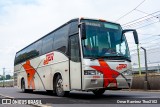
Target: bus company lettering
<point>49,57</point>
<point>121,66</point>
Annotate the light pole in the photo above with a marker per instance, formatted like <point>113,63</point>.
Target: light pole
<point>146,68</point>
<point>139,63</point>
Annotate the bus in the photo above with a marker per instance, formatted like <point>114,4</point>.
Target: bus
<point>83,54</point>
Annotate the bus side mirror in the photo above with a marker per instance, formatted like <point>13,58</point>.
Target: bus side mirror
<point>136,37</point>
<point>83,30</point>
<point>134,34</point>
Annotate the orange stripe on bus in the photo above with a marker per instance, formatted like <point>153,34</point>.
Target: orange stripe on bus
<point>30,74</point>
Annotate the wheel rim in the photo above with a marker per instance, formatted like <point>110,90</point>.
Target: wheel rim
<point>59,86</point>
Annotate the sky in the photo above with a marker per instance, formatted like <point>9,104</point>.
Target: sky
<point>24,21</point>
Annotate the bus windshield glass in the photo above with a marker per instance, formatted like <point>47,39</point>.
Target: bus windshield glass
<point>104,40</point>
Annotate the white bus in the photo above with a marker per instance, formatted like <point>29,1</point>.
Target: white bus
<point>83,54</point>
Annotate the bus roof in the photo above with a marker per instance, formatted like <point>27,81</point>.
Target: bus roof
<point>72,20</point>
<point>103,20</point>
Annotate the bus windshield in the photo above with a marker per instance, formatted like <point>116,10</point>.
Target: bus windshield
<point>104,40</point>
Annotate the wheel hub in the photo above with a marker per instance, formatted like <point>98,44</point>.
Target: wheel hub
<point>60,86</point>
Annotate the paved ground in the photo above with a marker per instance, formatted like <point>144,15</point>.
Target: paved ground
<point>87,99</point>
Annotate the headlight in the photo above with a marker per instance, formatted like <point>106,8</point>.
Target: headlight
<point>127,72</point>
<point>91,72</point>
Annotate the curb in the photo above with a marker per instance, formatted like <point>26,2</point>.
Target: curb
<point>140,90</point>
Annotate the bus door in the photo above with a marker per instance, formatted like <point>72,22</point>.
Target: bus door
<point>75,62</point>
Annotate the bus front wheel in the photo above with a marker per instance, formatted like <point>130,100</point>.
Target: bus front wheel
<point>59,87</point>
<point>98,92</point>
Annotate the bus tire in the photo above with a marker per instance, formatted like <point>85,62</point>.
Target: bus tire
<point>23,86</point>
<point>24,90</point>
<point>29,90</point>
<point>51,92</point>
<point>59,87</point>
<point>98,92</point>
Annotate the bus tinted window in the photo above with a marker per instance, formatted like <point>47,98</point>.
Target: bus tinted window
<point>18,58</point>
<point>61,39</point>
<point>38,47</point>
<point>30,52</point>
<point>73,28</point>
<point>55,41</point>
<point>47,44</point>
<point>74,48</point>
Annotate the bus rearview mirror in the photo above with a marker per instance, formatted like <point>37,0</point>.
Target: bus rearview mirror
<point>135,37</point>
<point>134,34</point>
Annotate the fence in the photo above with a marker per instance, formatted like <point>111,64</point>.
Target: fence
<point>7,83</point>
<point>153,82</point>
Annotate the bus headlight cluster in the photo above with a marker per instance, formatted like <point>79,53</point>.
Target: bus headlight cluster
<point>91,72</point>
<point>127,72</point>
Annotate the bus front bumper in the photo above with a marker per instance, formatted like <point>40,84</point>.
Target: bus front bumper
<point>92,82</point>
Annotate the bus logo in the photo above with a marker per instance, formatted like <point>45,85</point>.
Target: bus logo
<point>121,66</point>
<point>49,57</point>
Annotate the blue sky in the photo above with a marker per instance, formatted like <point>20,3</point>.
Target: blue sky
<point>12,2</point>
<point>6,3</point>
<point>24,21</point>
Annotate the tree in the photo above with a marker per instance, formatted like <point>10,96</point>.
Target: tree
<point>1,77</point>
<point>8,77</point>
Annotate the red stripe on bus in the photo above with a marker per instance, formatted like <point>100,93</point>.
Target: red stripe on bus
<point>109,75</point>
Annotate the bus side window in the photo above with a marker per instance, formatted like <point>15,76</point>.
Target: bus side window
<point>61,39</point>
<point>47,44</point>
<point>38,47</point>
<point>73,28</point>
<point>74,48</point>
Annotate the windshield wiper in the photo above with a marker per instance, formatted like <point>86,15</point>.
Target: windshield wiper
<point>109,57</point>
<point>123,57</point>
<point>115,57</point>
<point>92,58</point>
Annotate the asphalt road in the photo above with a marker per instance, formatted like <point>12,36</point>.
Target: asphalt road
<point>87,99</point>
